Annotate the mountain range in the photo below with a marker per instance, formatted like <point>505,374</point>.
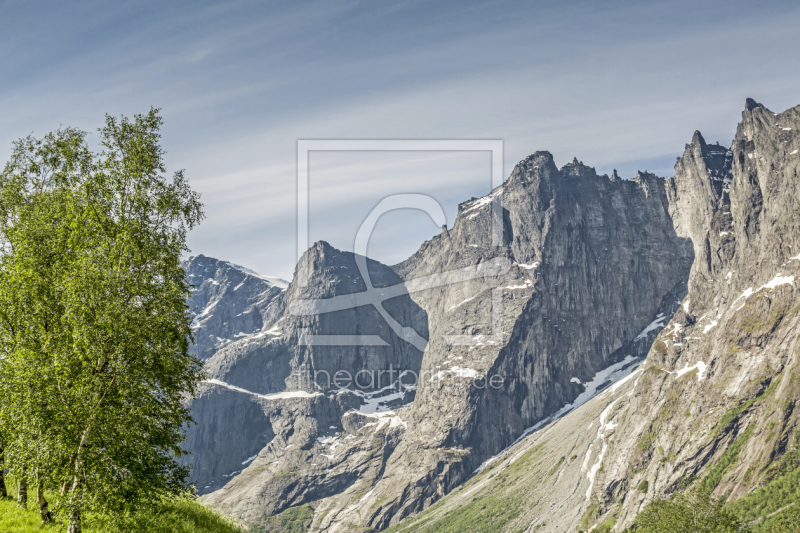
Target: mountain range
<point>624,336</point>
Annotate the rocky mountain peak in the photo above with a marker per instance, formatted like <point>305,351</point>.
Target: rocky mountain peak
<point>538,159</point>
<point>537,167</point>
<point>329,271</point>
<point>228,302</point>
<point>750,104</point>
<point>577,169</point>
<point>698,140</point>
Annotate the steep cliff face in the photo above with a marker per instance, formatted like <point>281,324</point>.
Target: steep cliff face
<point>292,348</point>
<point>717,394</point>
<point>593,263</point>
<point>563,305</point>
<point>228,302</point>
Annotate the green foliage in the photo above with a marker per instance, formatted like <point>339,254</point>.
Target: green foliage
<point>785,465</point>
<point>693,510</point>
<point>643,486</point>
<point>731,415</point>
<point>607,524</point>
<point>778,493</point>
<point>774,508</point>
<point>94,324</point>
<point>786,521</point>
<point>589,516</point>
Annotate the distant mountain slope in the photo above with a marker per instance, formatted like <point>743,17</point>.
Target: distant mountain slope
<point>228,302</point>
<point>245,408</point>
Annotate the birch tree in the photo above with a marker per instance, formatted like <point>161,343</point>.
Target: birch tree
<point>94,324</point>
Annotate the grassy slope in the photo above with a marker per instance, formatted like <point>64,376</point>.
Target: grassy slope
<point>491,511</point>
<point>775,506</point>
<point>179,515</point>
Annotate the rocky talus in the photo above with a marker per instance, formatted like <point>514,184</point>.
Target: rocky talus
<point>623,335</point>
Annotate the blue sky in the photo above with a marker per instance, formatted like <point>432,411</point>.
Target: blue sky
<point>618,85</point>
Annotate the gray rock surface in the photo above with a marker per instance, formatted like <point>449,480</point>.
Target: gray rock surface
<point>228,302</point>
<point>248,374</point>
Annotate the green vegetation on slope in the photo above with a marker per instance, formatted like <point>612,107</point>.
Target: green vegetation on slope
<point>787,521</point>
<point>491,511</point>
<point>778,502</point>
<point>292,520</point>
<point>487,514</point>
<point>727,461</point>
<point>733,413</point>
<point>692,510</point>
<point>174,515</point>
<point>774,508</point>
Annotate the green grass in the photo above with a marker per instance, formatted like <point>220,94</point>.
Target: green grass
<point>491,511</point>
<point>292,520</point>
<point>728,460</point>
<point>177,515</point>
<point>607,524</point>
<point>487,514</point>
<point>15,520</point>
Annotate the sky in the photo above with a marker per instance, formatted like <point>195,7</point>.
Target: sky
<point>616,84</point>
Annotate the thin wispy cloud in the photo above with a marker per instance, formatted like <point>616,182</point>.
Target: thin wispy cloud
<point>619,85</point>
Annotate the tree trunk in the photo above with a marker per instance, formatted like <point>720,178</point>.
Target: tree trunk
<point>74,520</point>
<point>3,493</point>
<point>44,512</point>
<point>22,489</point>
<point>75,507</point>
<point>75,492</point>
